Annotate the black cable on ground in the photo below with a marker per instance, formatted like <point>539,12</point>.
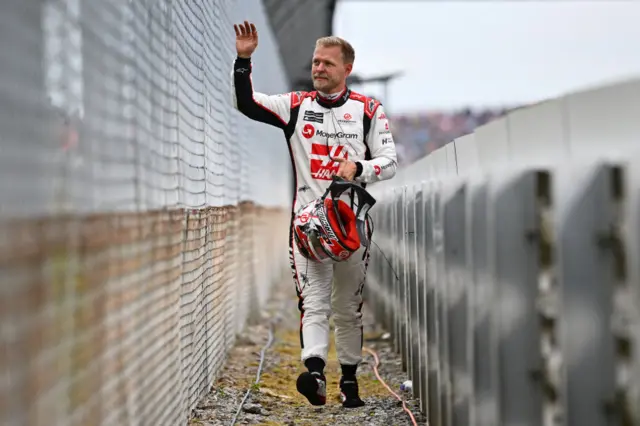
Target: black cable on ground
<point>262,353</point>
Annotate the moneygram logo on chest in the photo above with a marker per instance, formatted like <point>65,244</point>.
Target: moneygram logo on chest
<point>339,135</point>
<point>309,131</point>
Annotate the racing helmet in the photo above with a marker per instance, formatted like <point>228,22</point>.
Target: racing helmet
<point>328,230</point>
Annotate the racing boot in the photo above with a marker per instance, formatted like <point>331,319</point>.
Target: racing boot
<point>313,385</point>
<point>349,392</point>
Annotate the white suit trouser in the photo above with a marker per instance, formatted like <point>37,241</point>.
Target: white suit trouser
<point>325,289</point>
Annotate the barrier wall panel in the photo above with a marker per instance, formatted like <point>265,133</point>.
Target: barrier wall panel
<point>604,121</point>
<point>398,313</point>
<point>456,300</point>
<point>404,280</point>
<point>625,309</point>
<point>433,355</point>
<point>484,408</point>
<point>492,142</point>
<point>421,283</point>
<point>382,259</point>
<point>391,274</point>
<point>537,134</point>
<point>431,171</point>
<point>416,172</point>
<point>373,287</point>
<point>391,270</point>
<point>429,167</point>
<point>439,162</point>
<point>376,263</point>
<point>586,284</point>
<point>413,280</point>
<point>380,264</point>
<point>513,266</point>
<point>402,287</point>
<point>466,154</point>
<point>631,230</point>
<point>441,305</point>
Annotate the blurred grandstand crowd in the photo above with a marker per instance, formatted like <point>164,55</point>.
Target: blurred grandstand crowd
<point>418,134</point>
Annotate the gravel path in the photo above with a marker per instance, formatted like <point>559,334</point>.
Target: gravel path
<point>275,401</point>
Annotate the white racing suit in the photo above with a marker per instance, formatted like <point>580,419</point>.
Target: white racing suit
<point>354,127</point>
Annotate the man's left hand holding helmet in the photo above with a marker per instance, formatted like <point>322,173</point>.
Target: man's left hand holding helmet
<point>347,169</point>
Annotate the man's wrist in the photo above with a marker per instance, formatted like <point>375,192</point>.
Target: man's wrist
<point>359,168</point>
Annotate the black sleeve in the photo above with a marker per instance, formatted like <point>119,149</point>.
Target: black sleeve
<point>273,110</point>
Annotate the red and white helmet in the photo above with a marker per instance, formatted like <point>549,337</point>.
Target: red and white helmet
<point>327,230</point>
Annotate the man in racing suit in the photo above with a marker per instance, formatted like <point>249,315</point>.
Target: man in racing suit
<point>330,131</point>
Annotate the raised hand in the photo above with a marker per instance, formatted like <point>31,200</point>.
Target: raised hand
<point>246,39</point>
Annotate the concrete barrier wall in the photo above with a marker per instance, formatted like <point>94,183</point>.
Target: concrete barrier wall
<point>512,288</point>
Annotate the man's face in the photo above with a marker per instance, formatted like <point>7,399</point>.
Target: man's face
<point>328,69</point>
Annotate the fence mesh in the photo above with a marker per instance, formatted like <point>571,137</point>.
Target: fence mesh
<point>128,221</point>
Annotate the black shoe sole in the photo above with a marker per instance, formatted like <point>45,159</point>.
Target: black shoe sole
<point>307,385</point>
<point>353,403</point>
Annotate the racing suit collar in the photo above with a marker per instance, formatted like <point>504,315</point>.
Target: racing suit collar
<point>330,96</point>
<point>334,103</point>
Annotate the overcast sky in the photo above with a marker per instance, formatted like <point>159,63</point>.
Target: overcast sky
<point>477,53</point>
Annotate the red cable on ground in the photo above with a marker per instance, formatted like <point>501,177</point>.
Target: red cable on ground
<point>375,369</point>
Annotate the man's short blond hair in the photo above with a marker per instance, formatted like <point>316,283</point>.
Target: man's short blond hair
<point>348,54</point>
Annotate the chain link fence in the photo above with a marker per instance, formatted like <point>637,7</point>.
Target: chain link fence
<point>138,229</point>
